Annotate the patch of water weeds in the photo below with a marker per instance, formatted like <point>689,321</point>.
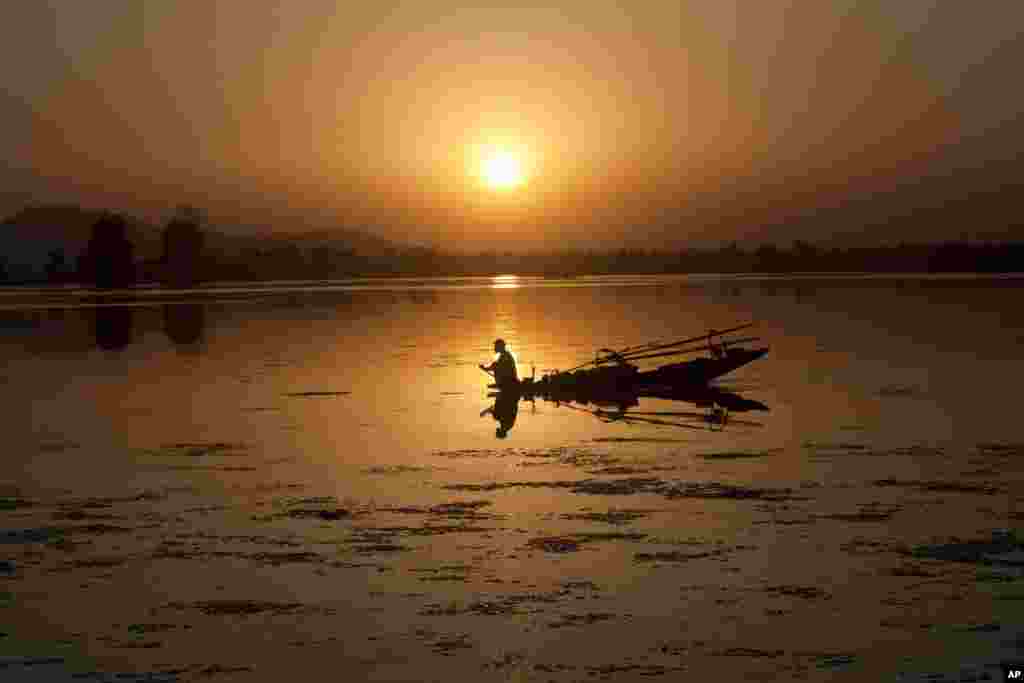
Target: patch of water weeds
<point>747,652</point>
<point>867,513</point>
<point>638,669</point>
<point>736,455</point>
<point>636,439</point>
<point>96,562</point>
<point>446,646</point>
<point>323,508</point>
<point>612,516</point>
<point>10,503</point>
<point>554,544</point>
<point>585,619</point>
<point>1002,450</point>
<point>619,470</point>
<point>598,536</point>
<point>245,608</point>
<point>191,673</point>
<point>504,605</point>
<point>940,486</point>
<point>395,469</point>
<point>473,453</point>
<point>198,449</point>
<point>676,556</point>
<point>1000,549</point>
<point>869,546</point>
<point>635,485</point>
<point>795,591</point>
<point>173,551</point>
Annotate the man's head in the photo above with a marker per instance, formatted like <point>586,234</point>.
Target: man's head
<point>499,345</point>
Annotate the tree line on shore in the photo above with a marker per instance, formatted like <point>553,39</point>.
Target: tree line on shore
<point>186,259</point>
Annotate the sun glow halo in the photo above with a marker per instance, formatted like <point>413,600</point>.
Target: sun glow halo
<point>501,170</point>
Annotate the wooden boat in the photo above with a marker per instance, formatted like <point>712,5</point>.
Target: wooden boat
<point>615,372</point>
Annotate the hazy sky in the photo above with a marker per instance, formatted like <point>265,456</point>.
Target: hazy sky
<point>622,116</point>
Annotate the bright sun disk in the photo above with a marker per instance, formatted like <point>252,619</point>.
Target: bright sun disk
<point>502,170</point>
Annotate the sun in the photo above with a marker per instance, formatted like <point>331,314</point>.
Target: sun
<point>501,170</point>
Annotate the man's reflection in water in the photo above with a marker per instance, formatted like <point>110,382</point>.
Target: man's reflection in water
<point>184,324</point>
<point>504,410</point>
<point>112,327</point>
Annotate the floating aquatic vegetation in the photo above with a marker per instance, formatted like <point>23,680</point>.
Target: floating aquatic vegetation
<point>38,535</point>
<point>324,514</point>
<point>940,486</point>
<point>394,469</point>
<point>58,446</point>
<point>612,516</point>
<point>635,439</point>
<point>838,446</point>
<point>678,555</point>
<point>110,501</point>
<point>462,508</point>
<point>747,652</point>
<point>471,453</point>
<point>910,570</point>
<point>7,504</point>
<point>862,515</point>
<point>554,544</point>
<point>1001,449</point>
<point>794,591</point>
<point>735,455</point>
<point>206,468</point>
<point>639,669</point>
<point>619,470</point>
<point>198,449</point>
<point>904,390</point>
<point>585,619</point>
<point>177,552</point>
<point>155,628</point>
<point>91,563</point>
<point>446,646</point>
<point>867,546</point>
<point>521,603</point>
<point>634,485</point>
<point>77,515</point>
<point>729,491</point>
<point>247,607</point>
<point>990,627</point>
<point>588,537</point>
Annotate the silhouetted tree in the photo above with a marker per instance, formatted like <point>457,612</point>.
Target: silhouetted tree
<point>55,265</point>
<point>183,249</point>
<point>107,259</point>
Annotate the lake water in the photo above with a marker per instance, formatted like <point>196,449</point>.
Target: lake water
<point>304,479</point>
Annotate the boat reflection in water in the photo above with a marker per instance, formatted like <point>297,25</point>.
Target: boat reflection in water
<point>712,407</point>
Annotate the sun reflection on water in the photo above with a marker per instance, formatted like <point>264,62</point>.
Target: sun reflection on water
<point>505,282</point>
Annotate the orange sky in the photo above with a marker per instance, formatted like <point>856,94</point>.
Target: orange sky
<point>629,119</point>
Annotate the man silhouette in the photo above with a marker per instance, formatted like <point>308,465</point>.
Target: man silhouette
<point>504,367</point>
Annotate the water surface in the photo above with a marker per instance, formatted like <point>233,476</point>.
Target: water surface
<point>314,466</point>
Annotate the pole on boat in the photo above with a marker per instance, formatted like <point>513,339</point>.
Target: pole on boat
<point>676,352</point>
<point>642,351</point>
<point>644,348</point>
